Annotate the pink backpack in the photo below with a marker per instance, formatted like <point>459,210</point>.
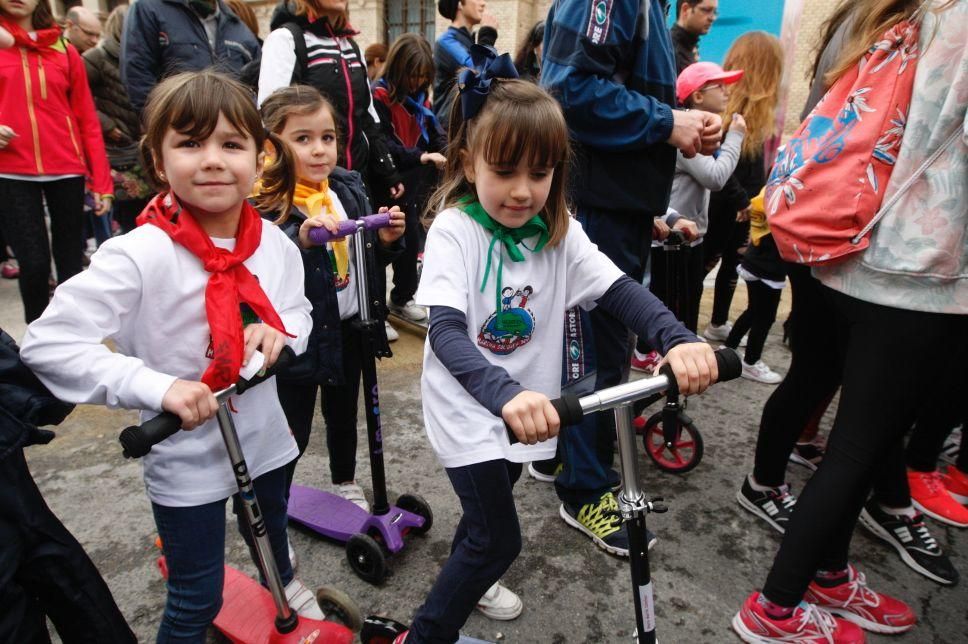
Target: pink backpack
<point>827,183</point>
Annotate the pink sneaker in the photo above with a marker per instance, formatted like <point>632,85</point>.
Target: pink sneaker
<point>10,270</point>
<point>645,363</point>
<point>808,624</point>
<point>855,602</point>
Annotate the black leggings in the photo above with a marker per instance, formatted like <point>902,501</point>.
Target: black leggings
<point>24,228</point>
<point>726,249</point>
<point>878,403</point>
<point>339,407</point>
<point>757,319</point>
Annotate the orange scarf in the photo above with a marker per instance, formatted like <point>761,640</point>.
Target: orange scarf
<point>317,202</point>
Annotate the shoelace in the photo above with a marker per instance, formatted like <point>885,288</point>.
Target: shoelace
<point>786,499</point>
<point>858,586</point>
<point>922,531</point>
<point>604,518</point>
<point>824,621</point>
<point>932,480</point>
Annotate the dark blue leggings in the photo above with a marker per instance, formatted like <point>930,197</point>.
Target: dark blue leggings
<point>487,541</point>
<point>193,540</point>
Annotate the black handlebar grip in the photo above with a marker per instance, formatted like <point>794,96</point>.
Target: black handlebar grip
<point>569,413</point>
<point>285,359</point>
<point>729,364</point>
<point>138,440</point>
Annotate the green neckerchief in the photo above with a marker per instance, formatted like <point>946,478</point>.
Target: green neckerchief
<point>509,238</point>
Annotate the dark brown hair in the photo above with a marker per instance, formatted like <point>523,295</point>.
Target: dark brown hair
<point>376,51</point>
<point>42,17</point>
<point>410,55</point>
<point>519,121</point>
<point>191,103</point>
<point>290,101</point>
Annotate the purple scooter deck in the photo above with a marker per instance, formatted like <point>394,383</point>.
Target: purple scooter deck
<point>334,517</point>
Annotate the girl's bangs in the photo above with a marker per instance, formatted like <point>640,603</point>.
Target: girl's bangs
<point>536,135</point>
<point>196,108</point>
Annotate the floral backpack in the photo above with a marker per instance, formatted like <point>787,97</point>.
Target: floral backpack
<point>827,183</point>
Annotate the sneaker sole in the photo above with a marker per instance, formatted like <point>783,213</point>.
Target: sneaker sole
<point>746,635</point>
<point>867,625</point>
<point>751,507</point>
<point>539,476</point>
<point>760,380</point>
<point>938,517</point>
<point>591,535</point>
<point>799,460</point>
<point>501,616</point>
<point>875,529</point>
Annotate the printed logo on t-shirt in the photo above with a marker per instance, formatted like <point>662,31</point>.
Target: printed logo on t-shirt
<point>512,326</point>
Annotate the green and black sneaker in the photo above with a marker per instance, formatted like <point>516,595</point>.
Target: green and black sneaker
<point>602,522</point>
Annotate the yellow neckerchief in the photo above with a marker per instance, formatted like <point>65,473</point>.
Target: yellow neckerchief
<point>316,202</point>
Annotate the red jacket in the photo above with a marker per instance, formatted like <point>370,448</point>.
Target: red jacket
<point>45,99</point>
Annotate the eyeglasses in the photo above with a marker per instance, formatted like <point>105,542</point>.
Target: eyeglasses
<point>719,86</point>
<point>89,34</point>
<point>709,11</point>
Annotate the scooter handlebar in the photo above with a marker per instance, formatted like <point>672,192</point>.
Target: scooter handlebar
<point>347,227</point>
<point>138,440</point>
<point>569,406</point>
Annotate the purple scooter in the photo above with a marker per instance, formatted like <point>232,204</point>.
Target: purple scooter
<point>366,534</point>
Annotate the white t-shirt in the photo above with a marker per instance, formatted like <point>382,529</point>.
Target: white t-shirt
<point>535,293</point>
<point>346,298</point>
<point>147,294</point>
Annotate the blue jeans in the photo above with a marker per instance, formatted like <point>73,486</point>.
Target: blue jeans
<point>586,449</point>
<point>193,541</point>
<point>487,541</point>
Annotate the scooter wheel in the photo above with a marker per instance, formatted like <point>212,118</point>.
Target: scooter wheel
<point>683,455</point>
<point>366,558</point>
<point>415,503</point>
<point>338,607</point>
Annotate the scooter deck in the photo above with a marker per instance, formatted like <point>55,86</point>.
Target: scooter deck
<point>248,616</point>
<point>334,517</point>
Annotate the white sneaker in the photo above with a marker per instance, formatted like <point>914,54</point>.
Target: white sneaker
<point>293,559</point>
<point>500,603</point>
<point>353,493</point>
<point>721,332</point>
<point>392,335</point>
<point>303,601</point>
<point>761,373</point>
<point>409,311</point>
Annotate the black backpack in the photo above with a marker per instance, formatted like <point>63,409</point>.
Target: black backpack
<point>250,72</point>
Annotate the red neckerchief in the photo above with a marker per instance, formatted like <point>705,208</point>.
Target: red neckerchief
<point>230,285</point>
<point>45,37</point>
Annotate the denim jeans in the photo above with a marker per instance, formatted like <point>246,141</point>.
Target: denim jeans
<point>193,541</point>
<point>487,541</point>
<point>586,449</point>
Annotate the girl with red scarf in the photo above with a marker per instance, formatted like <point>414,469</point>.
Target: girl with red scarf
<point>50,143</point>
<point>188,298</point>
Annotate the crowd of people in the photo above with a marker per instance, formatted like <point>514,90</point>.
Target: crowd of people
<point>520,189</point>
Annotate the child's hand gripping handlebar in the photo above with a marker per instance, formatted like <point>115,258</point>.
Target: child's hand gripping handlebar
<point>571,408</point>
<point>320,236</point>
<point>138,440</point>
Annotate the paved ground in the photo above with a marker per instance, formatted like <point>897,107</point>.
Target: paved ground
<point>710,554</point>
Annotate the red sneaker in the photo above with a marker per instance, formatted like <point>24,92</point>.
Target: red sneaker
<point>929,495</point>
<point>9,269</point>
<point>956,482</point>
<point>854,601</point>
<point>645,363</point>
<point>809,624</point>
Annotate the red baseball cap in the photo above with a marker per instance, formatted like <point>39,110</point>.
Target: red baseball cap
<point>695,76</point>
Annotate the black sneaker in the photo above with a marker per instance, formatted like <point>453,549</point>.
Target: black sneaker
<point>775,506</point>
<point>911,539</point>
<point>808,455</point>
<point>602,523</point>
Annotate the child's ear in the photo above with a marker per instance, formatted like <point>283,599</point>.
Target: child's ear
<point>696,98</point>
<point>465,160</point>
<point>260,164</point>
